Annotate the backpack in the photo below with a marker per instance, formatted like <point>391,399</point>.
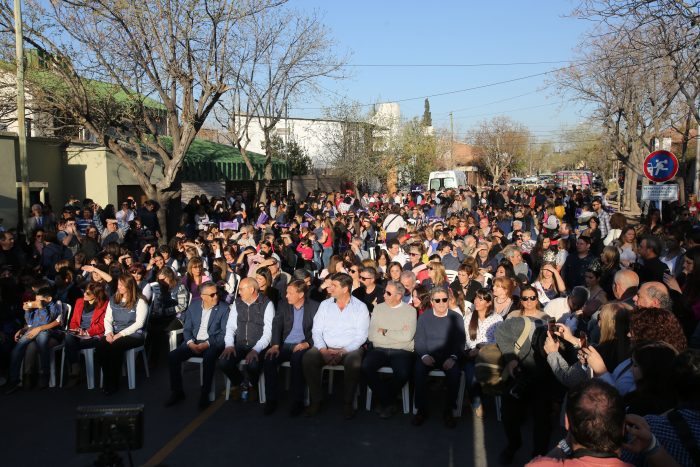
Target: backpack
<point>490,370</point>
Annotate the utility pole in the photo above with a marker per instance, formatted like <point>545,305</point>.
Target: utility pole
<point>21,124</point>
<point>696,184</point>
<point>452,141</point>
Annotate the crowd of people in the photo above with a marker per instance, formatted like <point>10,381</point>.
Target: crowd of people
<point>546,299</point>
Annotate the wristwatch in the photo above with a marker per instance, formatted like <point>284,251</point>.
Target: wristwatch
<point>564,446</point>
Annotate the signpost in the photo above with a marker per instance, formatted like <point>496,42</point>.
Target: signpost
<point>660,167</point>
<point>660,192</point>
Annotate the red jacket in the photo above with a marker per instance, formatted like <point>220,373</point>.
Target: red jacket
<point>97,323</point>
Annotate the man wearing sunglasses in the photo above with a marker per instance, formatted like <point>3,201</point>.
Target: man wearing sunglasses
<point>203,331</point>
<point>368,292</point>
<point>391,332</point>
<point>439,343</point>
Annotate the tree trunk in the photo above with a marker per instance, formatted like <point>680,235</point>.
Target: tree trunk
<point>631,206</point>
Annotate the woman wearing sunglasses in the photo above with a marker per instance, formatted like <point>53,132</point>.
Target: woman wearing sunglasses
<point>529,305</point>
<point>439,344</point>
<point>480,326</point>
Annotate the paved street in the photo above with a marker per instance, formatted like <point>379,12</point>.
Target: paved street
<point>43,431</point>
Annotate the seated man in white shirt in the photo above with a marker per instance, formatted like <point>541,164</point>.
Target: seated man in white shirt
<point>340,329</point>
<point>203,331</point>
<point>248,334</point>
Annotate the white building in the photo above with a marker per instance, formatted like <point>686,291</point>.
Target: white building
<point>317,136</point>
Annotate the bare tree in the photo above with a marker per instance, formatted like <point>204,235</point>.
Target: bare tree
<point>289,53</point>
<point>352,146</point>
<point>142,77</point>
<point>501,144</point>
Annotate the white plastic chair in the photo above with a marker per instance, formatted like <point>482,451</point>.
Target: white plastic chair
<point>405,396</point>
<point>67,315</point>
<point>261,384</point>
<point>130,356</point>
<point>457,412</point>
<point>197,360</point>
<point>89,355</point>
<point>331,369</point>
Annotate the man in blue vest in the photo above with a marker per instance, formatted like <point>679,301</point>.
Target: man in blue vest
<point>203,332</point>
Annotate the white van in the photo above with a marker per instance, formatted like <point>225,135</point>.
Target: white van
<point>446,179</point>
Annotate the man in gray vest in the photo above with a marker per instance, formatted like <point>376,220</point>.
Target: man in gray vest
<point>248,334</point>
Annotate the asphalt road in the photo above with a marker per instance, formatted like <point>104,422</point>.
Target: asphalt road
<point>38,429</point>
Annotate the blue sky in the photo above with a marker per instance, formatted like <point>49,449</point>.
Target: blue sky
<point>454,32</point>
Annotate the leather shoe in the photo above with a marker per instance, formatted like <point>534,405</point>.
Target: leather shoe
<point>450,421</point>
<point>348,412</point>
<point>174,398</point>
<point>506,456</point>
<point>418,419</point>
<point>11,388</point>
<point>312,410</point>
<point>297,409</point>
<point>270,407</point>
<point>204,403</point>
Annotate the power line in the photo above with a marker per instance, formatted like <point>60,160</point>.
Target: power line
<point>446,93</point>
<point>447,65</point>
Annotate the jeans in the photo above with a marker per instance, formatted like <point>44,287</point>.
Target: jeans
<point>473,387</point>
<point>271,366</point>
<point>181,354</point>
<point>110,358</point>
<point>230,366</point>
<point>313,364</point>
<point>400,362</point>
<point>326,258</point>
<point>17,355</point>
<point>74,344</point>
<point>421,372</point>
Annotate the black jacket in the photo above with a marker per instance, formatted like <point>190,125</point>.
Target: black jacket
<point>284,320</point>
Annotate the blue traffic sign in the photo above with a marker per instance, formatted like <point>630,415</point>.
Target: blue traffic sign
<point>661,166</point>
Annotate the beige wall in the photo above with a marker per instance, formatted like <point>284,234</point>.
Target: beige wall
<point>102,173</point>
<point>8,180</point>
<point>45,158</point>
<point>86,172</point>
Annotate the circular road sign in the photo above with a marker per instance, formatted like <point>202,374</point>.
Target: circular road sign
<point>660,166</point>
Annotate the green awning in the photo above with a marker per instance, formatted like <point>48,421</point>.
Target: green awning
<point>207,161</point>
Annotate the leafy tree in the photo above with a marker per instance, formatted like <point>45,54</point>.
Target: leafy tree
<point>427,116</point>
<point>299,162</point>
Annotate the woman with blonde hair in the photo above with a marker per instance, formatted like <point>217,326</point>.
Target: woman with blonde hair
<point>436,276</point>
<point>124,323</point>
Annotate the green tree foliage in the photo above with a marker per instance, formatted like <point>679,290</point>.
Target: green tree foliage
<point>299,162</point>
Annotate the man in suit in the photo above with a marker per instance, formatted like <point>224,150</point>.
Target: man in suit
<point>39,220</point>
<point>291,338</point>
<point>203,331</point>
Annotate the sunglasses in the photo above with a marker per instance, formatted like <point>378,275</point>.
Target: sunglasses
<point>210,295</point>
<point>387,293</point>
<point>354,271</point>
<point>414,254</point>
<point>530,298</point>
<point>440,300</point>
<point>366,278</point>
<point>430,268</point>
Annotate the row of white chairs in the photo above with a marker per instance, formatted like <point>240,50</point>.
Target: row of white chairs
<point>405,397</point>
